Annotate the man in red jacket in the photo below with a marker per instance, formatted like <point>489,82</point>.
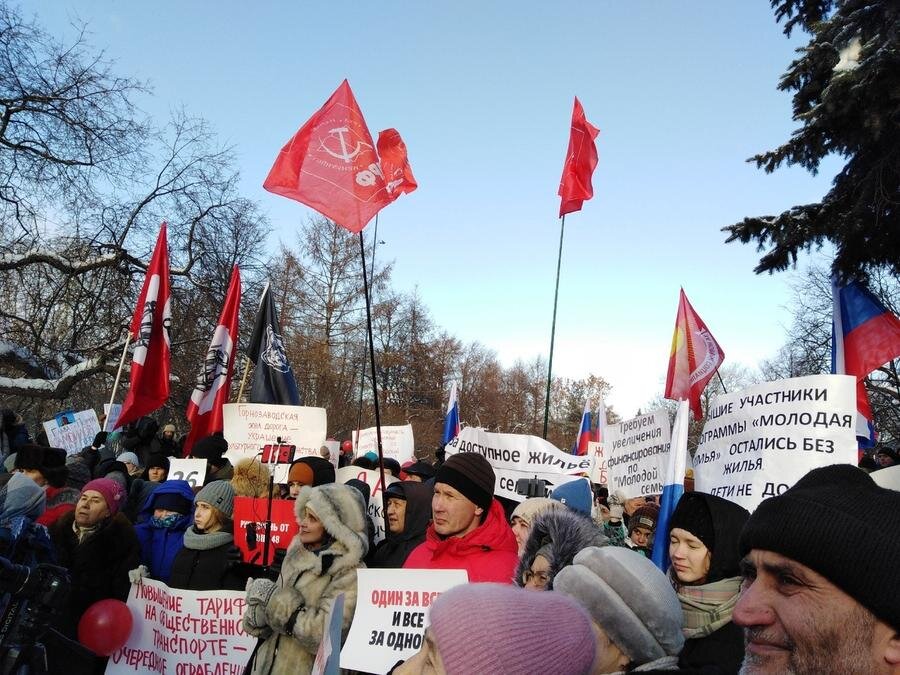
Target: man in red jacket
<point>468,529</point>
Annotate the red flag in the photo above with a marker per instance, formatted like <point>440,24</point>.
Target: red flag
<point>581,159</point>
<point>331,165</point>
<point>395,167</point>
<point>204,410</point>
<point>149,385</point>
<point>694,359</point>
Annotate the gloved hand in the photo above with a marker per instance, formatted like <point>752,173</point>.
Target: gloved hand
<point>258,593</point>
<point>138,573</point>
<point>617,505</point>
<point>281,607</point>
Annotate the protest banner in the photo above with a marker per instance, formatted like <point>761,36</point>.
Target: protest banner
<point>636,454</point>
<point>518,456</point>
<point>250,527</point>
<point>72,431</point>
<point>396,442</point>
<point>373,480</point>
<point>112,413</point>
<point>192,470</point>
<point>392,615</point>
<point>597,452</point>
<point>248,427</point>
<point>179,631</point>
<point>758,442</point>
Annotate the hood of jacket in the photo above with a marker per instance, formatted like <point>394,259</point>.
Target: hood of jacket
<point>178,487</point>
<point>418,510</point>
<point>492,535</point>
<point>566,532</point>
<point>728,519</point>
<point>342,512</point>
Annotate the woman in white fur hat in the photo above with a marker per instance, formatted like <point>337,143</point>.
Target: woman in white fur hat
<point>289,614</point>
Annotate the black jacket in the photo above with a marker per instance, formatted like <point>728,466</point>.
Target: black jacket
<point>393,550</point>
<point>207,570</point>
<point>99,565</point>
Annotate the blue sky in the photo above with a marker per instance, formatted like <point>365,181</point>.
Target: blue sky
<point>482,93</point>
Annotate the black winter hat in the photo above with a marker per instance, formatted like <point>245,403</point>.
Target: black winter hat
<point>422,469</point>
<point>210,448</point>
<point>838,522</point>
<point>693,515</point>
<point>323,470</point>
<point>471,474</point>
<point>51,462</point>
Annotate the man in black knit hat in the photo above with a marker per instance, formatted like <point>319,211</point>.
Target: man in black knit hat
<point>468,529</point>
<point>821,567</point>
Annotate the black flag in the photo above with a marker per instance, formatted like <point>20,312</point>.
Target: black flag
<point>273,379</point>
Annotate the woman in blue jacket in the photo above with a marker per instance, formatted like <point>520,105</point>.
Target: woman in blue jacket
<point>162,522</point>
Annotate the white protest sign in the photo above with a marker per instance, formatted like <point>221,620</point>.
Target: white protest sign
<point>179,631</point>
<point>396,442</point>
<point>334,451</point>
<point>392,615</point>
<point>249,426</point>
<point>112,413</point>
<point>373,480</point>
<point>518,456</point>
<point>191,470</point>
<point>77,432</point>
<point>597,452</point>
<point>758,442</point>
<point>637,451</point>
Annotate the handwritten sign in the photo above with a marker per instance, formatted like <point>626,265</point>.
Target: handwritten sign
<point>396,442</point>
<point>180,631</point>
<point>72,431</point>
<point>392,615</point>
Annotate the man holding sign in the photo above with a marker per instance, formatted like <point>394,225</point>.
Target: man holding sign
<point>468,529</point>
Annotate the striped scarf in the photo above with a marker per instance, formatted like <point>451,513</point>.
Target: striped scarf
<point>708,607</point>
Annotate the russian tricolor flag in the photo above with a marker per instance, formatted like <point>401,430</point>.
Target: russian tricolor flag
<point>584,431</point>
<point>451,420</point>
<point>864,336</point>
<point>674,485</point>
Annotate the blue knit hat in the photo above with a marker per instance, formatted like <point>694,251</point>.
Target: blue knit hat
<point>576,495</point>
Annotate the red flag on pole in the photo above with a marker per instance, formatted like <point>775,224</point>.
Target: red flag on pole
<point>148,388</point>
<point>330,165</point>
<point>204,410</point>
<point>581,159</point>
<point>694,359</point>
<point>395,166</point>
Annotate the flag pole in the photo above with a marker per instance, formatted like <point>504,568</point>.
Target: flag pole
<point>724,390</point>
<point>243,379</point>
<point>118,377</point>
<point>362,254</point>
<point>363,380</point>
<point>562,229</point>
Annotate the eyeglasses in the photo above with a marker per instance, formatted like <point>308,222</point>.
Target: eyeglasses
<point>540,578</point>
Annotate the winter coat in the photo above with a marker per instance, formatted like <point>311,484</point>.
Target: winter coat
<point>394,549</point>
<point>159,546</point>
<point>59,502</point>
<point>487,553</point>
<point>310,581</point>
<point>723,650</point>
<point>206,563</point>
<point>99,564</point>
<point>567,532</point>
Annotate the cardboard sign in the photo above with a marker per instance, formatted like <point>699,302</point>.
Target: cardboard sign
<point>179,631</point>
<point>392,615</point>
<point>396,442</point>
<point>191,470</point>
<point>72,431</point>
<point>248,427</point>
<point>519,456</point>
<point>250,527</point>
<point>758,442</point>
<point>597,451</point>
<point>373,480</point>
<point>637,451</point>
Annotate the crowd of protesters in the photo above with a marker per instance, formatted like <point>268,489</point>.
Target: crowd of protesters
<point>808,583</point>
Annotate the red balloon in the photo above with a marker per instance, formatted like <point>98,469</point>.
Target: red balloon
<point>105,626</point>
<point>347,446</point>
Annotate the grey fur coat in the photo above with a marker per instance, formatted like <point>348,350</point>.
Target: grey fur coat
<point>310,582</point>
